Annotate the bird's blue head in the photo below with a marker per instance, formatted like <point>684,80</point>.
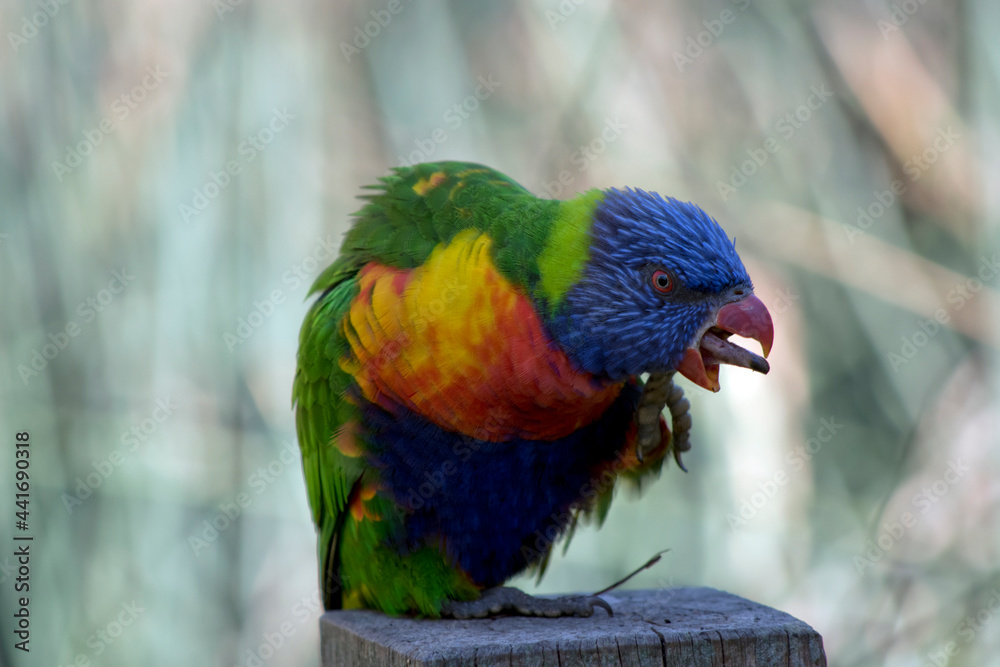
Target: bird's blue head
<point>658,287</point>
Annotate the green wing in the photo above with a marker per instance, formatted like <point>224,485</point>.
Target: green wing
<point>320,412</point>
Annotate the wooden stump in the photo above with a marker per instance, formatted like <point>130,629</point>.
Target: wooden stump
<point>673,626</point>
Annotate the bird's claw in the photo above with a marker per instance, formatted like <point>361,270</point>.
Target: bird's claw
<point>655,392</point>
<point>506,600</point>
<point>658,393</point>
<point>680,414</point>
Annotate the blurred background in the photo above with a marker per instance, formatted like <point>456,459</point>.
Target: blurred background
<point>173,175</point>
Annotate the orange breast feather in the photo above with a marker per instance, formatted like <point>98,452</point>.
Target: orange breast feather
<point>455,342</point>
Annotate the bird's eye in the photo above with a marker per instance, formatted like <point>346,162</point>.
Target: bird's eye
<point>662,282</point>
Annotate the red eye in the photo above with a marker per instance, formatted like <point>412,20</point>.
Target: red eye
<point>662,282</point>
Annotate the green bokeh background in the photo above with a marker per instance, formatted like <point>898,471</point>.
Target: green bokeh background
<point>209,152</point>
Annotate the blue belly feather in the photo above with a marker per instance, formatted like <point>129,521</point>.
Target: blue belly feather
<point>495,506</point>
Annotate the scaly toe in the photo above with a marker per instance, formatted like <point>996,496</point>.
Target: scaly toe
<point>495,601</point>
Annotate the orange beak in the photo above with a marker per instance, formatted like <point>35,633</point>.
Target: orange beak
<point>748,318</point>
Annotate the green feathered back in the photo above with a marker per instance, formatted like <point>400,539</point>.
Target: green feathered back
<point>415,208</point>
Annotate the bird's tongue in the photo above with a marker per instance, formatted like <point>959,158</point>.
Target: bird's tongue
<point>716,350</point>
<point>748,318</point>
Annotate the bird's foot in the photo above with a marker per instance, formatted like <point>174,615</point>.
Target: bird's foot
<point>658,393</point>
<point>680,413</point>
<point>506,600</point>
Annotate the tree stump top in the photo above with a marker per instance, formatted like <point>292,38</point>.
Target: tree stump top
<point>672,626</point>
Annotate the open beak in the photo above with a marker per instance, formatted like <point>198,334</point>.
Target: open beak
<point>747,318</point>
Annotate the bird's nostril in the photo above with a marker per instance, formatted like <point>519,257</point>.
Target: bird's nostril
<point>738,292</point>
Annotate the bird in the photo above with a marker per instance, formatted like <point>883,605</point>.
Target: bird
<point>482,367</point>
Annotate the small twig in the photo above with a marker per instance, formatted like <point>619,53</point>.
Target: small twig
<point>648,564</point>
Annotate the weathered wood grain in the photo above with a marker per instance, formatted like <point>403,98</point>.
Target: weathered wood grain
<point>674,626</point>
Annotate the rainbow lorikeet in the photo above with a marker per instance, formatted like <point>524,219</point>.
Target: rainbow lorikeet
<point>469,379</point>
